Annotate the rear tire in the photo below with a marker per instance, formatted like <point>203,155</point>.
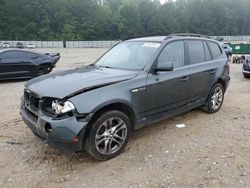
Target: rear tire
<point>109,135</point>
<point>43,70</point>
<point>215,99</point>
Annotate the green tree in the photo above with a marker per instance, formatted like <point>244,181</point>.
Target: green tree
<point>119,19</point>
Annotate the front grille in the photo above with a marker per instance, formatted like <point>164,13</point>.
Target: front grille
<point>31,115</point>
<point>31,101</point>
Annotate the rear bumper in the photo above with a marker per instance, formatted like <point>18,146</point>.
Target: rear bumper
<point>56,58</point>
<point>65,134</point>
<point>245,72</point>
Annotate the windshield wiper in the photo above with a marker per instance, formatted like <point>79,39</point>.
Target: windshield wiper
<point>93,65</point>
<point>108,67</point>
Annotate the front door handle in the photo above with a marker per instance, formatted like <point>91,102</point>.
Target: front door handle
<point>212,71</point>
<point>185,78</point>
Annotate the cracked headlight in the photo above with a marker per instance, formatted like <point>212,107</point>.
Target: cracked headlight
<point>62,107</point>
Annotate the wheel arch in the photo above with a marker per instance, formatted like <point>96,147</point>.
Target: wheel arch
<point>222,82</point>
<point>219,80</point>
<point>120,106</point>
<point>47,64</point>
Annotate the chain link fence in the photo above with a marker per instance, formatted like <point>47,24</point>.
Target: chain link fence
<point>95,44</point>
<point>36,44</point>
<point>91,44</point>
<point>60,44</point>
<point>234,38</point>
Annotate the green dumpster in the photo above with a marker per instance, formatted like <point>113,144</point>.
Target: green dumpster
<point>240,48</point>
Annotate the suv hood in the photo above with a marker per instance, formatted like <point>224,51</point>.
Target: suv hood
<point>71,82</point>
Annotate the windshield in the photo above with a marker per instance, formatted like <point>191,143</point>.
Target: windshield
<point>128,55</point>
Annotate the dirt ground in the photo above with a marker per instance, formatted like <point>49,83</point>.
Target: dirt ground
<point>213,150</point>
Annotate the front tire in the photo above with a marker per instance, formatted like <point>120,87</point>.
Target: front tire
<point>109,135</point>
<point>215,99</point>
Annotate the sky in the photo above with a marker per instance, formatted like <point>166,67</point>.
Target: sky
<point>164,1</point>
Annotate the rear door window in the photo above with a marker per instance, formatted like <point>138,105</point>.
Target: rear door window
<point>214,49</point>
<point>195,51</point>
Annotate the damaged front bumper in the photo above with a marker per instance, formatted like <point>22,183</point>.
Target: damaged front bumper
<point>62,134</point>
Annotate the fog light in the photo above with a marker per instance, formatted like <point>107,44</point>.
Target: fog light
<point>47,128</point>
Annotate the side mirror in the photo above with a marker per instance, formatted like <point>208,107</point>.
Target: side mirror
<point>166,66</point>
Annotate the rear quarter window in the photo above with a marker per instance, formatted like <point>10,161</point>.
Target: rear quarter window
<point>214,49</point>
<point>31,55</point>
<point>207,52</point>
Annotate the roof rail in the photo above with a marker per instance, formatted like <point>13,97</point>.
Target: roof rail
<point>186,35</point>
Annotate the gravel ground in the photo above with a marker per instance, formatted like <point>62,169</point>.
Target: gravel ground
<point>213,150</point>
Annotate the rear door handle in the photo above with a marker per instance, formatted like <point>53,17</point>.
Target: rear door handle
<point>185,78</point>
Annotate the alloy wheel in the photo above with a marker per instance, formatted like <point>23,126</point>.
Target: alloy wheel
<point>111,136</point>
<point>217,98</point>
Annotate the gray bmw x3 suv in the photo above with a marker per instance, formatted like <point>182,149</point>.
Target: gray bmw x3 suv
<point>137,82</point>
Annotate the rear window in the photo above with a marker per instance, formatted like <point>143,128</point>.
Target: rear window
<point>31,55</point>
<point>196,51</point>
<point>214,49</point>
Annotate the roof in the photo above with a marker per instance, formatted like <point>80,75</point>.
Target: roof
<point>16,49</point>
<point>8,49</point>
<point>175,35</point>
<point>149,39</point>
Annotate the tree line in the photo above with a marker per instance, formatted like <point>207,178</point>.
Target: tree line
<point>119,19</point>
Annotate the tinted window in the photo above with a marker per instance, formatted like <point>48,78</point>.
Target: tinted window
<point>7,55</point>
<point>196,51</point>
<point>13,55</point>
<point>207,52</point>
<point>173,52</point>
<point>30,55</point>
<point>214,49</point>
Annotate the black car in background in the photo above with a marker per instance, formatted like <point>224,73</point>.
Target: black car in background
<point>19,45</point>
<point>17,63</point>
<point>246,66</point>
